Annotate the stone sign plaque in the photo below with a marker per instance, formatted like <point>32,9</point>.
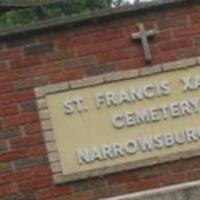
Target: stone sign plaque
<point>122,120</point>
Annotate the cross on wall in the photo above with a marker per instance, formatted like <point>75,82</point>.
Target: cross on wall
<point>144,36</point>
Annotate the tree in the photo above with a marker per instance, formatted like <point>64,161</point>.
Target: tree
<point>33,11</point>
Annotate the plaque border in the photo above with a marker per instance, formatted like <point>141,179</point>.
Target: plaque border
<point>47,129</point>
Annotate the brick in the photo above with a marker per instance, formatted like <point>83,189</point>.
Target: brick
<point>101,69</point>
<point>27,195</point>
<point>81,195</point>
<point>1,124</point>
<point>19,41</point>
<point>16,176</point>
<point>18,74</point>
<point>9,110</point>
<point>36,150</point>
<point>172,22</point>
<point>7,190</point>
<point>5,77</point>
<point>2,46</point>
<point>190,164</point>
<point>152,172</point>
<point>194,17</point>
<point>27,141</point>
<point>73,63</point>
<point>176,44</point>
<point>165,56</point>
<point>197,41</point>
<point>179,11</point>
<point>4,66</point>
<point>45,69</point>
<point>5,88</point>
<point>118,44</point>
<point>132,63</point>
<point>57,56</point>
<point>12,197</point>
<point>32,128</point>
<point>66,76</point>
<point>30,83</point>
<point>122,54</point>
<point>17,97</point>
<point>173,178</point>
<point>89,184</point>
<point>109,34</point>
<point>103,57</point>
<point>11,53</point>
<point>42,170</point>
<point>39,49</point>
<point>29,162</point>
<point>187,31</point>
<point>25,62</point>
<point>54,191</point>
<point>35,184</point>
<point>20,119</point>
<point>13,155</point>
<point>101,192</point>
<point>28,106</point>
<point>180,166</point>
<point>163,36</point>
<point>124,177</point>
<point>3,145</point>
<point>10,132</point>
<point>5,167</point>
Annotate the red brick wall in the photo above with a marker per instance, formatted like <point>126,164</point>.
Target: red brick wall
<point>73,53</point>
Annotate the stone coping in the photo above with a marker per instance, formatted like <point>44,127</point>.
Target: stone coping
<point>47,128</point>
<point>174,192</point>
<point>84,18</point>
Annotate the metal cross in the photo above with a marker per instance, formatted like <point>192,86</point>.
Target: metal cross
<point>143,35</point>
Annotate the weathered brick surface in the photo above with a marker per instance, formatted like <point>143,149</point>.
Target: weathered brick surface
<point>3,145</point>
<point>30,195</point>
<point>30,83</point>
<point>5,167</point>
<point>30,162</point>
<point>4,66</point>
<point>70,54</point>
<point>10,132</point>
<point>38,48</point>
<point>28,106</point>
<point>101,69</point>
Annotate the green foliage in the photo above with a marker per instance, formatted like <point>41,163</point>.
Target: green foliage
<point>68,7</point>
